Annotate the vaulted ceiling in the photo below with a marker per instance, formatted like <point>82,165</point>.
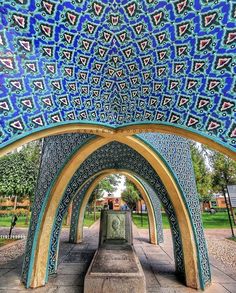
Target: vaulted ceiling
<point>118,62</point>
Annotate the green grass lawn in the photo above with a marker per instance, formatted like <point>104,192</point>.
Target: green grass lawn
<point>216,221</point>
<point>137,221</point>
<point>232,239</point>
<point>6,221</point>
<point>219,220</point>
<point>89,219</point>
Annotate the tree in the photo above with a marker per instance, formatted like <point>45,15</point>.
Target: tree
<point>130,195</point>
<point>108,184</point>
<point>202,173</point>
<point>19,170</point>
<point>224,171</point>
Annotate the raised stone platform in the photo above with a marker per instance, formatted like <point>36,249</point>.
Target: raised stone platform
<point>115,269</point>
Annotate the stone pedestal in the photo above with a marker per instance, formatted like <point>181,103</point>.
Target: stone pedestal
<point>115,267</point>
<point>115,228</point>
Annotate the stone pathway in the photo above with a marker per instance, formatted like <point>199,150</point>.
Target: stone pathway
<point>157,263</point>
<point>158,266</point>
<point>222,251</point>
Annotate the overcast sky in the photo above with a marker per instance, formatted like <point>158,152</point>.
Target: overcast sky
<point>120,188</point>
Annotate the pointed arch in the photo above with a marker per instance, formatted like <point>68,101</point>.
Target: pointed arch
<point>153,234</point>
<point>37,276</point>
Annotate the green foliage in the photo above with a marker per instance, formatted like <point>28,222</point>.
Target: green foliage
<point>202,173</point>
<point>18,171</point>
<point>108,184</point>
<point>17,212</point>
<point>130,195</point>
<point>232,239</point>
<point>5,221</point>
<point>224,171</point>
<point>89,219</point>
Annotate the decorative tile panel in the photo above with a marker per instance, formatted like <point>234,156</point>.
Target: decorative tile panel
<point>55,153</point>
<point>116,62</point>
<point>176,152</point>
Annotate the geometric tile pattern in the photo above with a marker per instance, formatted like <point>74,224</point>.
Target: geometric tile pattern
<point>176,152</point>
<point>55,153</point>
<point>77,202</point>
<point>116,155</point>
<point>156,208</point>
<point>79,197</point>
<point>117,62</point>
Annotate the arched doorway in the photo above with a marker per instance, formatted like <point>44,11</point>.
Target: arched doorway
<point>187,241</point>
<point>153,208</point>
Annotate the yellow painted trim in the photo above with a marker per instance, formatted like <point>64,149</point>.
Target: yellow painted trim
<point>186,229</point>
<point>151,216</point>
<point>42,247</point>
<point>102,131</point>
<point>187,235</point>
<point>126,131</point>
<point>167,129</point>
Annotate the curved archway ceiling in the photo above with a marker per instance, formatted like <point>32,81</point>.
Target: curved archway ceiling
<point>118,62</point>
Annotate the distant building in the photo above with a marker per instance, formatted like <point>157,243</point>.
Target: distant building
<point>220,202</point>
<point>141,206</point>
<point>217,201</point>
<point>113,202</point>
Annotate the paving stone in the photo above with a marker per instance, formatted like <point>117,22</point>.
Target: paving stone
<point>216,288</point>
<point>3,271</point>
<point>162,261</point>
<point>163,268</point>
<point>151,280</point>
<point>178,290</point>
<point>230,287</point>
<point>79,257</point>
<point>156,289</point>
<point>160,277</point>
<point>45,289</point>
<point>72,268</point>
<point>11,280</point>
<point>68,280</point>
<point>220,277</point>
<point>168,281</point>
<point>70,289</point>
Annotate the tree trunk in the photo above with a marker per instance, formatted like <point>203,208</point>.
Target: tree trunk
<point>202,206</point>
<point>15,202</point>
<point>68,218</point>
<point>27,216</point>
<point>94,209</point>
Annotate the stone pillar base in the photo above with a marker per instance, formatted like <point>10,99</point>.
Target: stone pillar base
<point>115,269</point>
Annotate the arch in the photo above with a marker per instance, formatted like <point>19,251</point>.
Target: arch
<point>114,132</point>
<point>50,205</point>
<point>190,254</point>
<point>80,184</point>
<point>153,234</point>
